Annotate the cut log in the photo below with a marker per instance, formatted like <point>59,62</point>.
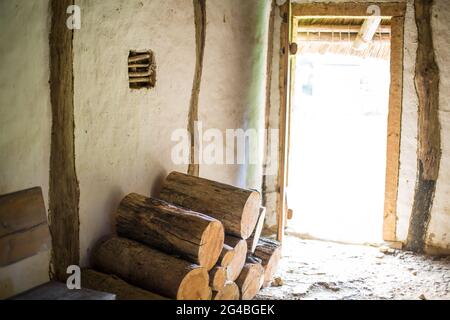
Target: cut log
<point>226,256</point>
<point>152,270</point>
<point>252,241</point>
<point>218,276</point>
<point>250,280</point>
<point>269,251</point>
<point>194,236</point>
<point>239,255</point>
<point>236,208</point>
<point>230,291</point>
<point>99,281</point>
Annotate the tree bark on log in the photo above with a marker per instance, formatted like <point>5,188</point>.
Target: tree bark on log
<point>252,241</point>
<point>239,255</point>
<point>269,251</point>
<point>230,291</point>
<point>152,270</point>
<point>99,281</point>
<point>236,208</point>
<point>250,280</point>
<point>194,236</point>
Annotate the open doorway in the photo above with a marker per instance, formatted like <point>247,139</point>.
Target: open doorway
<point>338,145</point>
<point>339,108</point>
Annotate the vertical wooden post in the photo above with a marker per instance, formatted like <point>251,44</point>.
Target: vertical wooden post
<point>394,129</point>
<point>285,12</point>
<point>200,36</point>
<point>268,106</point>
<point>429,148</point>
<point>63,185</point>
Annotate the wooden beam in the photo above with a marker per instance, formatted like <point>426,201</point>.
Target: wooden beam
<point>393,130</point>
<point>200,38</point>
<point>347,9</point>
<point>284,116</point>
<point>268,104</point>
<point>338,28</point>
<point>429,147</point>
<point>336,37</point>
<point>64,192</point>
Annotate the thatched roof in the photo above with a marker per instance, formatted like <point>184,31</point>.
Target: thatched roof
<point>336,35</point>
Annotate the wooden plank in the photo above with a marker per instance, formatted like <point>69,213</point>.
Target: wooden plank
<point>59,291</point>
<point>21,210</point>
<point>347,9</point>
<point>18,246</point>
<point>23,228</point>
<point>394,131</point>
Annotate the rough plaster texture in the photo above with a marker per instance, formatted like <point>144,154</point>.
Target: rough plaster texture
<point>408,142</point>
<point>274,116</point>
<point>25,120</point>
<point>233,81</point>
<point>123,136</point>
<point>439,228</point>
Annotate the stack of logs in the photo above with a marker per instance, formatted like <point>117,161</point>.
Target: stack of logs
<point>200,240</point>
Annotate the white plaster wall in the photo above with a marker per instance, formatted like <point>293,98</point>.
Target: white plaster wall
<point>25,120</point>
<point>122,136</point>
<point>439,227</point>
<point>408,138</point>
<point>271,180</point>
<point>233,80</point>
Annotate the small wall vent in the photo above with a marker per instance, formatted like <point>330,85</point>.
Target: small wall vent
<point>141,69</point>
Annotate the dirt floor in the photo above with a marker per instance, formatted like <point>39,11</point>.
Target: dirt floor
<point>312,269</point>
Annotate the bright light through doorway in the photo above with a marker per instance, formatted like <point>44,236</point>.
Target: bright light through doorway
<point>338,147</point>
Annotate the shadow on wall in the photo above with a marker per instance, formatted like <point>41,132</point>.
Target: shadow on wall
<point>155,185</point>
<point>115,196</point>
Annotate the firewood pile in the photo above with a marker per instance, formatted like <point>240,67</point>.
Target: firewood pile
<point>199,241</point>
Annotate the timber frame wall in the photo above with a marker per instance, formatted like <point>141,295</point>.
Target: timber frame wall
<point>395,10</point>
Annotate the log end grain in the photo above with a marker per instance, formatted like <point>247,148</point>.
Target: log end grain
<point>211,244</point>
<point>195,286</point>
<point>218,276</point>
<point>226,256</point>
<point>269,251</point>
<point>238,261</point>
<point>230,291</point>
<point>250,280</point>
<point>250,214</point>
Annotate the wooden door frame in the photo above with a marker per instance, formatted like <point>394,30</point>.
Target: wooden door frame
<point>396,10</point>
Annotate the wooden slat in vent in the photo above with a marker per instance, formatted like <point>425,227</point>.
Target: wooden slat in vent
<point>141,69</point>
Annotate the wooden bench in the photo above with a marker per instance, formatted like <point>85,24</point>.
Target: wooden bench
<point>24,232</point>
